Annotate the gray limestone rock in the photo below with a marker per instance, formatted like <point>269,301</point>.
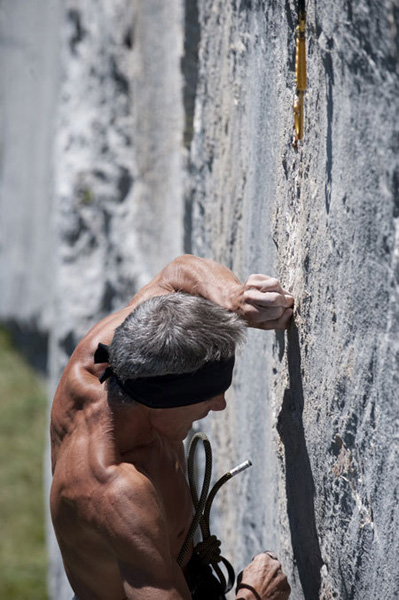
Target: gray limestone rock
<point>118,214</point>
<point>29,82</point>
<point>174,132</point>
<point>317,407</point>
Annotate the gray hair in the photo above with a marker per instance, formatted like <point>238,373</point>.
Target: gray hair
<point>173,334</point>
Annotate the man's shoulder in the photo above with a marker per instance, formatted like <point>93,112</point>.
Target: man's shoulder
<point>83,355</point>
<point>80,379</point>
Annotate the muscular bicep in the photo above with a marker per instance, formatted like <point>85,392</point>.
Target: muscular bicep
<point>137,531</point>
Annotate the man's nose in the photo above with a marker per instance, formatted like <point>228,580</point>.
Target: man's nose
<point>218,402</point>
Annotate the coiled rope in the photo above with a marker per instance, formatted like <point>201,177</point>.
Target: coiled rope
<point>209,549</point>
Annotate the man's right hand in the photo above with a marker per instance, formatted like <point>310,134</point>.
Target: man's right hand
<point>263,579</point>
<point>264,304</point>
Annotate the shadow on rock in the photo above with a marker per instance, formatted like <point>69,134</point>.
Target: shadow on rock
<point>299,479</point>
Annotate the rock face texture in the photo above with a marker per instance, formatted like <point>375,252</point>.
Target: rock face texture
<point>29,72</point>
<point>118,215</point>
<point>173,132</point>
<point>316,409</point>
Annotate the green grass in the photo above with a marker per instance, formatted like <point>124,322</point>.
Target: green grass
<point>22,437</point>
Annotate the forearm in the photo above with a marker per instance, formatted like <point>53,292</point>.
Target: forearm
<point>196,276</point>
<point>261,300</point>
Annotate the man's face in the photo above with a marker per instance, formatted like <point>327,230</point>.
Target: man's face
<point>175,423</point>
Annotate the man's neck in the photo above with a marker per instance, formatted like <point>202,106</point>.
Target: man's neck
<point>132,428</point>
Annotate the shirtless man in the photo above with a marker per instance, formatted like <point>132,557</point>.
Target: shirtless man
<point>120,503</point>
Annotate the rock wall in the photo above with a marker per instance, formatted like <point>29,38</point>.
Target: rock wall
<point>173,132</point>
<point>29,77</point>
<point>118,216</point>
<point>315,409</point>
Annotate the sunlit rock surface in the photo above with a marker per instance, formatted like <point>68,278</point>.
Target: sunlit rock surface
<point>317,409</point>
<point>173,132</point>
<point>29,75</point>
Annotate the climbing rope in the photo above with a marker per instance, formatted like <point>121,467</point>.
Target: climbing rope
<point>209,549</point>
<point>300,73</point>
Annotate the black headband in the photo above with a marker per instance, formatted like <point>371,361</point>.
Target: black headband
<point>171,391</point>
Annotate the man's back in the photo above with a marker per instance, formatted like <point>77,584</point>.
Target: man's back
<point>98,473</point>
<point>88,499</point>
